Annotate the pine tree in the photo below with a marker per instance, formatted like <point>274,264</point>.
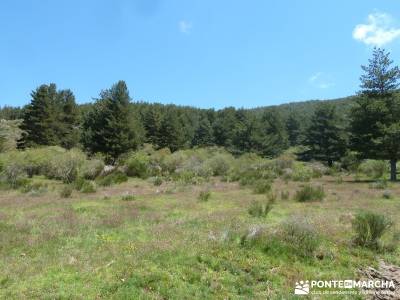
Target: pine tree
<point>203,135</point>
<point>325,138</point>
<point>171,134</point>
<point>375,123</point>
<point>293,130</point>
<point>40,118</point>
<point>109,127</point>
<point>275,136</point>
<point>67,128</point>
<point>152,123</point>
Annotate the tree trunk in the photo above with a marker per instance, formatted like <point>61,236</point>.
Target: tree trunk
<point>393,170</point>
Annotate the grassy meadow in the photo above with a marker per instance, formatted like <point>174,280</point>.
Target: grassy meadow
<point>167,237</point>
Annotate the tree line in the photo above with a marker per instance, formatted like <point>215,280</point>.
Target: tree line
<point>368,123</point>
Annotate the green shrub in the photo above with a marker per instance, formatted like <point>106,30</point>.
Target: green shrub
<point>30,186</point>
<point>262,186</point>
<point>261,209</point>
<point>88,187</point>
<point>91,169</point>
<point>64,166</point>
<point>157,181</point>
<point>301,237</point>
<point>379,184</point>
<point>115,177</point>
<point>309,193</point>
<point>374,168</point>
<point>66,191</point>
<point>369,227</point>
<point>137,165</point>
<point>128,197</point>
<point>14,175</point>
<point>302,173</point>
<point>350,162</point>
<point>219,164</point>
<point>204,196</point>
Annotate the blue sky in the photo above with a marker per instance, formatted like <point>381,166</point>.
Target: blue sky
<point>200,52</point>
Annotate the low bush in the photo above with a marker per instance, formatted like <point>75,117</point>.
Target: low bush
<point>157,181</point>
<point>88,187</point>
<point>65,165</point>
<point>204,196</point>
<point>92,168</point>
<point>261,209</point>
<point>262,186</point>
<point>128,197</point>
<point>301,236</point>
<point>66,191</point>
<point>302,173</point>
<point>379,184</point>
<point>14,175</point>
<point>137,165</point>
<point>219,164</point>
<point>374,168</point>
<point>369,227</point>
<point>115,177</point>
<point>309,193</point>
<point>37,188</point>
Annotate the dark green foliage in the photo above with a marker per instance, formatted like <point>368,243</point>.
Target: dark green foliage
<point>50,118</point>
<point>11,113</point>
<point>204,196</point>
<point>203,135</point>
<point>293,130</point>
<point>67,125</point>
<point>369,227</point>
<point>128,197</point>
<point>110,127</point>
<point>115,177</point>
<point>309,193</point>
<point>274,138</point>
<point>137,165</point>
<point>375,122</point>
<point>171,134</point>
<point>325,138</point>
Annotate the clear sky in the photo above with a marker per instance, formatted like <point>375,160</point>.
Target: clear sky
<point>193,52</point>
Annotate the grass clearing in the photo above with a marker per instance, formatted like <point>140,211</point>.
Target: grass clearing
<point>171,245</point>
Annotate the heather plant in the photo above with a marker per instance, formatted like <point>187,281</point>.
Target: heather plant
<point>204,196</point>
<point>309,193</point>
<point>301,236</point>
